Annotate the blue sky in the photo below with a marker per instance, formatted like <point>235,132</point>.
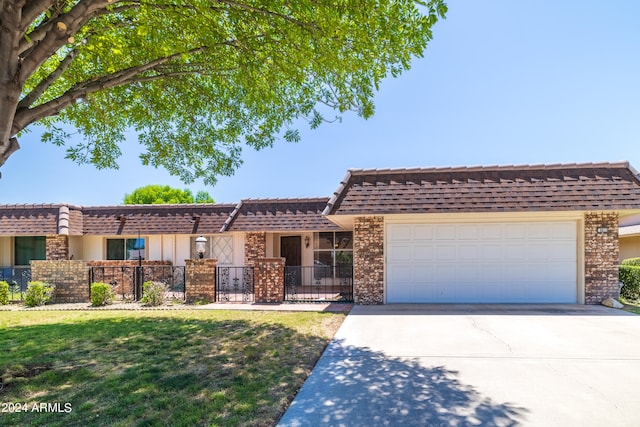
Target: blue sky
<point>502,82</point>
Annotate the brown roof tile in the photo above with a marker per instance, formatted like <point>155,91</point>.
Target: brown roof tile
<point>281,215</point>
<point>155,219</point>
<point>29,220</point>
<point>563,187</point>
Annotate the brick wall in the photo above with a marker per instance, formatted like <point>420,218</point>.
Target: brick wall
<point>70,279</point>
<point>57,247</point>
<point>601,253</point>
<point>268,280</point>
<point>200,280</point>
<point>368,260</point>
<point>255,246</point>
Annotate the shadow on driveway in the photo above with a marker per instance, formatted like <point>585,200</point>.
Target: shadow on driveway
<point>354,386</point>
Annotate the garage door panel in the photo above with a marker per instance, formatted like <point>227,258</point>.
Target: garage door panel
<point>496,262</point>
<point>423,232</point>
<point>399,232</point>
<point>446,252</point>
<point>400,253</point>
<point>423,252</point>
<point>400,273</point>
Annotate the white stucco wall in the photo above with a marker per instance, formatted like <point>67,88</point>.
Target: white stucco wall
<point>93,248</point>
<point>5,251</point>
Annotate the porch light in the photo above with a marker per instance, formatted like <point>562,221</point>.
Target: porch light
<point>201,246</point>
<point>306,241</point>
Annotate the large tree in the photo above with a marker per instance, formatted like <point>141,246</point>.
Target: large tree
<point>162,194</point>
<point>196,79</point>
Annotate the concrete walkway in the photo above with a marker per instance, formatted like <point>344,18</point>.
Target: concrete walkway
<point>485,365</point>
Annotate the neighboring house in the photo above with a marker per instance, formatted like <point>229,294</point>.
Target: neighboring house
<point>546,233</point>
<point>629,237</point>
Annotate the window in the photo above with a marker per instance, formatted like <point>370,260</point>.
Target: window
<point>218,247</point>
<point>222,247</point>
<point>28,248</point>
<point>334,250</point>
<point>124,249</point>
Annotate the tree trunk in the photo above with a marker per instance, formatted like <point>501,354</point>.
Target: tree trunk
<point>10,88</point>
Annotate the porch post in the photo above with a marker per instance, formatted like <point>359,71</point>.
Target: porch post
<point>601,252</point>
<point>368,260</point>
<point>200,280</point>
<point>269,280</point>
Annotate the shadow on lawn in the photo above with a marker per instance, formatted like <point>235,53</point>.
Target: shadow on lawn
<point>154,371</point>
<point>358,387</point>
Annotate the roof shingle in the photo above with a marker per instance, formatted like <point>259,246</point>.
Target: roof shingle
<point>563,187</point>
<point>281,215</point>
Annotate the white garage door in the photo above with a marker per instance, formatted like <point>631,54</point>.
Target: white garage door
<point>521,262</point>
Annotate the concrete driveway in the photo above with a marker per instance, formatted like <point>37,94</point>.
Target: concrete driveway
<point>459,365</point>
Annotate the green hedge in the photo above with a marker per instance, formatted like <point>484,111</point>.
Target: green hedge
<point>629,275</point>
<point>631,261</point>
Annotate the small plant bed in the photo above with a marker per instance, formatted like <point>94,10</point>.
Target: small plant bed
<point>178,368</point>
<point>632,306</point>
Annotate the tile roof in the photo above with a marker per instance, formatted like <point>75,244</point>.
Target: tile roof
<point>559,187</point>
<point>281,215</point>
<point>29,220</point>
<point>155,219</point>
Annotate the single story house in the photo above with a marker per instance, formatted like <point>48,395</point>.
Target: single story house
<point>487,234</point>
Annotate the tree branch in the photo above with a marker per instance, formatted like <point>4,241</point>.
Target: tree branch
<point>25,117</point>
<point>268,13</point>
<point>37,92</point>
<point>32,10</point>
<point>58,35</point>
<point>5,153</point>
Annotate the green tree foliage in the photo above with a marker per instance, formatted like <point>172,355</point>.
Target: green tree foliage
<point>196,80</point>
<point>163,194</point>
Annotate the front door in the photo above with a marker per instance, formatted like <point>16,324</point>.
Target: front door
<point>291,250</point>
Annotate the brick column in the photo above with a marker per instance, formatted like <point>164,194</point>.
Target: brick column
<point>368,260</point>
<point>268,280</point>
<point>601,253</point>
<point>200,280</point>
<point>255,246</point>
<point>70,278</point>
<point>57,247</point>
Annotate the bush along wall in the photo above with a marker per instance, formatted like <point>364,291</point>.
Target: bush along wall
<point>629,273</point>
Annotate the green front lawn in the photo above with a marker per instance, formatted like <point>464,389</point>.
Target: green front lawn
<point>177,368</point>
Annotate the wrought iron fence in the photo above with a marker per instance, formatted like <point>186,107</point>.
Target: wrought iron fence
<point>127,281</point>
<point>18,279</point>
<point>234,284</point>
<point>318,283</point>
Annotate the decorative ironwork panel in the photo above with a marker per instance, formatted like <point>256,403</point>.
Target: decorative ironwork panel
<point>234,284</point>
<point>319,283</point>
<point>18,279</point>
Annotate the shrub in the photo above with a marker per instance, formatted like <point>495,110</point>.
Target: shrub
<point>153,293</point>
<point>101,294</point>
<point>38,293</point>
<point>4,293</point>
<point>630,277</point>
<point>631,261</point>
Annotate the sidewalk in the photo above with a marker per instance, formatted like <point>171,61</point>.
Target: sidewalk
<point>322,307</point>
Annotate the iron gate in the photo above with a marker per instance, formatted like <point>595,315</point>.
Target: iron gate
<point>234,284</point>
<point>320,283</point>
